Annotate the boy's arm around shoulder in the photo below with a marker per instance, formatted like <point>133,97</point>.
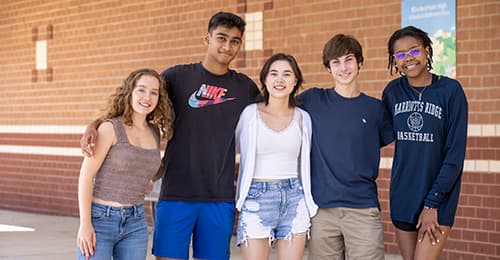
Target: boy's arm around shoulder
<point>89,137</point>
<point>101,147</point>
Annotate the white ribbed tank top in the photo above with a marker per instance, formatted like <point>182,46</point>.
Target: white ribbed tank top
<point>277,151</point>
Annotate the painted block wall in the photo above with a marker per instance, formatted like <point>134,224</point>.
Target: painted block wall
<point>94,45</point>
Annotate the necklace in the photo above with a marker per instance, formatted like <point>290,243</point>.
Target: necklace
<point>419,93</point>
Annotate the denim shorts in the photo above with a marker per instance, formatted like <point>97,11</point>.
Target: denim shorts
<point>121,232</point>
<point>273,210</point>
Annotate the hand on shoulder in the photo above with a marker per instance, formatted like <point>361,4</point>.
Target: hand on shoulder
<point>105,137</point>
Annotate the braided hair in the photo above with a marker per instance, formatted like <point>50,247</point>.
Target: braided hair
<point>408,31</point>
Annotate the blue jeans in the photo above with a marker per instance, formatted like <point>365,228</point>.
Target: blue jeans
<point>121,233</point>
<point>274,210</point>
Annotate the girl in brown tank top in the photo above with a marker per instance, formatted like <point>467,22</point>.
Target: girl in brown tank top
<point>113,181</point>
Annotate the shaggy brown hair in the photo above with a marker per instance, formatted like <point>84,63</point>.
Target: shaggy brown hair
<point>340,45</point>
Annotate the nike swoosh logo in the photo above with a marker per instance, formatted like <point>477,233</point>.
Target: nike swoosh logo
<point>194,102</point>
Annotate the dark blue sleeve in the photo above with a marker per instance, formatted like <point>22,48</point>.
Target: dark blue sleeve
<point>302,99</point>
<point>387,136</point>
<point>386,99</point>
<point>453,150</point>
<point>386,132</point>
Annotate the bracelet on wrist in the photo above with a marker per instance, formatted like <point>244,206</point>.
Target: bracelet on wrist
<point>426,207</point>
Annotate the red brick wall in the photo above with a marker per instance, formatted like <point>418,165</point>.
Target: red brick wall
<point>96,44</point>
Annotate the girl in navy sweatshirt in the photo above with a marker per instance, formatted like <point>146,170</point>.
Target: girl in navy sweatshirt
<point>430,123</point>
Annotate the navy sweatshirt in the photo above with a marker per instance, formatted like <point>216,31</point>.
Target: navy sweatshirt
<point>430,146</point>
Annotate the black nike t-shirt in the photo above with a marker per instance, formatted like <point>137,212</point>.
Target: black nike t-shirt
<point>200,157</point>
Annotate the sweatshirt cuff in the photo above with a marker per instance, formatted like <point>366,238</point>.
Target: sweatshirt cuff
<point>433,199</point>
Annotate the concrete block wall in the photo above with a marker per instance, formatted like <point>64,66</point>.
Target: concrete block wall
<point>94,45</point>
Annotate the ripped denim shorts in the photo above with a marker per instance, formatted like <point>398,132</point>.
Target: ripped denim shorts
<point>273,210</point>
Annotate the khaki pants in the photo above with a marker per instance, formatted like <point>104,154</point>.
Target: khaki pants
<point>346,233</point>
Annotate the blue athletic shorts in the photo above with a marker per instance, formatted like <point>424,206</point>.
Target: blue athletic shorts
<point>209,223</point>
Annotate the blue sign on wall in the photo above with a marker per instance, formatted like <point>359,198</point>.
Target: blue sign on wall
<point>438,19</point>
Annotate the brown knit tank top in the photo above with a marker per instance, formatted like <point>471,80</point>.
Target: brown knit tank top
<point>127,169</point>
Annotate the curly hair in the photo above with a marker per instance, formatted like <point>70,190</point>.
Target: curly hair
<point>119,103</point>
<point>408,31</point>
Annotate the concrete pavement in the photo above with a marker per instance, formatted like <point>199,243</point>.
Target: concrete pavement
<point>54,238</point>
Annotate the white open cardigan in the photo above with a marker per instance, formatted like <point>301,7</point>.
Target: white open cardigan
<point>246,145</point>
